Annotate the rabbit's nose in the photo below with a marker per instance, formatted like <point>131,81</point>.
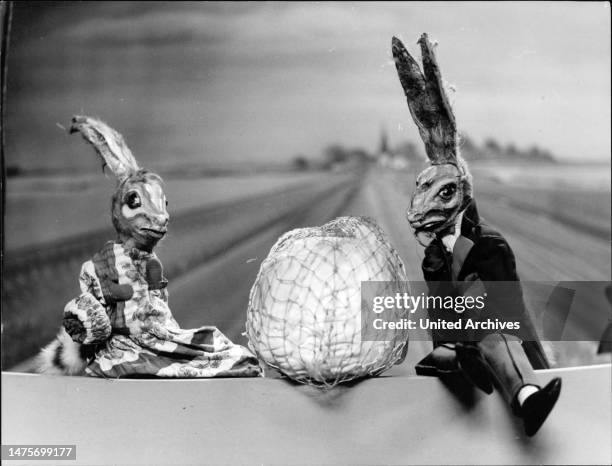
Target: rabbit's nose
<point>412,215</point>
<point>162,220</point>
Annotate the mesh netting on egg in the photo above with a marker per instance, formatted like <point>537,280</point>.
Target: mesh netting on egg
<point>304,314</point>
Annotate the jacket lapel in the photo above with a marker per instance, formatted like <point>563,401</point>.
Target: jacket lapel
<point>465,243</point>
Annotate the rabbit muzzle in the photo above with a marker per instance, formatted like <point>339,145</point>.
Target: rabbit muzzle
<point>139,211</point>
<point>437,200</point>
<point>425,222</point>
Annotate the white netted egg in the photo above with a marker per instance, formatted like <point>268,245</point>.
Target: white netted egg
<point>304,314</point>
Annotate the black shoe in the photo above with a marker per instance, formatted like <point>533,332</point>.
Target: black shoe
<point>538,406</point>
<point>473,365</point>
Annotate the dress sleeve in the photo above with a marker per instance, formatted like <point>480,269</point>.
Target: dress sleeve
<point>89,281</point>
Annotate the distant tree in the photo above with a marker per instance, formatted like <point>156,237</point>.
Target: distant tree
<point>409,151</point>
<point>512,151</point>
<point>359,155</point>
<point>547,155</point>
<point>301,163</point>
<point>492,147</point>
<point>533,152</point>
<point>336,153</point>
<point>384,142</point>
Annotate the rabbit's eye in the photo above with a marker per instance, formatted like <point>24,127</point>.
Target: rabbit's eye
<point>133,200</point>
<point>447,192</point>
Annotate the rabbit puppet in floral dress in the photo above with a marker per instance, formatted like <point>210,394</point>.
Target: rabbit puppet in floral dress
<point>463,254</point>
<point>120,325</point>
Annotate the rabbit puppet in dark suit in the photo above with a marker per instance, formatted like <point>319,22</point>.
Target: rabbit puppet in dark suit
<point>460,249</point>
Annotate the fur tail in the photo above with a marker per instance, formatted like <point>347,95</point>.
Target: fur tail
<point>62,356</point>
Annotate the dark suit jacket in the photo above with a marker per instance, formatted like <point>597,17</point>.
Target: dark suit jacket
<point>480,256</point>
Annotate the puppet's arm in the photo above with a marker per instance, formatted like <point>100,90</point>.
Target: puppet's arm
<point>86,316</point>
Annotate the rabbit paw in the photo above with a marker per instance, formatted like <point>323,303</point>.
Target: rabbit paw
<point>86,321</point>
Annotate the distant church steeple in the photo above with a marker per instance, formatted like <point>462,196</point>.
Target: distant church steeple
<point>386,156</point>
<point>384,142</point>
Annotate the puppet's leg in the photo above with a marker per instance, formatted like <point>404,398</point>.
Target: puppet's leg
<point>442,360</point>
<point>512,372</point>
<point>509,365</point>
<point>474,365</point>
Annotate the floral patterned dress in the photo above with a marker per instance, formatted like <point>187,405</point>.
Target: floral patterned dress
<point>139,336</point>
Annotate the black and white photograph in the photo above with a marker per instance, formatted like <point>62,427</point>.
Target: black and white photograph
<point>329,233</point>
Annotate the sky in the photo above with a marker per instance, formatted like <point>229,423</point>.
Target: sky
<point>252,83</point>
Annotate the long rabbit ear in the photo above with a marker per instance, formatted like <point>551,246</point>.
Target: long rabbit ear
<point>109,144</point>
<point>427,100</point>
